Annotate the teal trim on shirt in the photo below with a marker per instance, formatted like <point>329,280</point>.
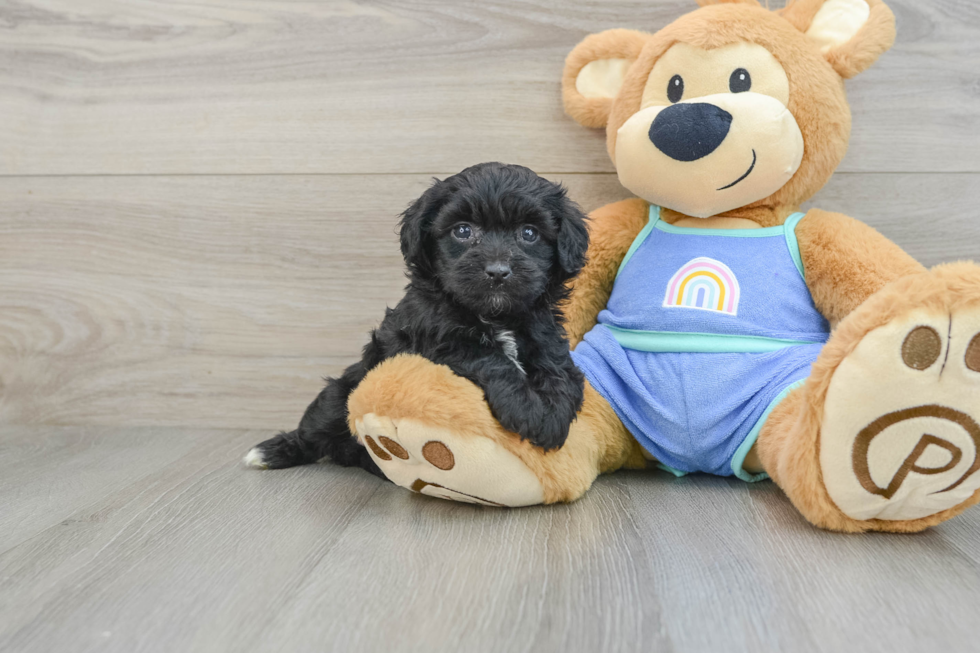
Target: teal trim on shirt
<point>787,230</point>
<point>761,232</point>
<point>667,468</point>
<point>640,237</point>
<point>792,242</point>
<point>699,343</point>
<point>743,449</point>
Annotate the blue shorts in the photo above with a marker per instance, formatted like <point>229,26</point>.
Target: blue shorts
<point>693,412</point>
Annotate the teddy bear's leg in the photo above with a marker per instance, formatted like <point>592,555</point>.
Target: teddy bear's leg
<point>885,434</point>
<point>432,432</point>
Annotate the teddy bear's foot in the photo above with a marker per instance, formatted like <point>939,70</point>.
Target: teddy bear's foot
<point>441,463</point>
<point>432,432</point>
<point>900,438</point>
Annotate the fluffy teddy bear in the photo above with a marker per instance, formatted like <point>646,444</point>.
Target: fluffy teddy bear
<point>721,330</point>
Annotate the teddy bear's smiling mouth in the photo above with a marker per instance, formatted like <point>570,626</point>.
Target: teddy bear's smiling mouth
<point>747,173</point>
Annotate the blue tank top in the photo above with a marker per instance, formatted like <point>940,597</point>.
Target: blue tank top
<point>705,332</point>
<point>713,291</point>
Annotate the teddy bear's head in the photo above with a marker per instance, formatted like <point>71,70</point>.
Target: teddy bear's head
<point>731,106</point>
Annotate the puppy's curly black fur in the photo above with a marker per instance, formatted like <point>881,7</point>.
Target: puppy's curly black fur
<point>489,253</point>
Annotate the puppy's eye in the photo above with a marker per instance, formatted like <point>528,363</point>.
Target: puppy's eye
<point>529,234</point>
<point>740,81</point>
<point>462,231</point>
<point>675,88</point>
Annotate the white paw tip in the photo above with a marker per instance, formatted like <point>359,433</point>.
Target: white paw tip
<point>254,459</point>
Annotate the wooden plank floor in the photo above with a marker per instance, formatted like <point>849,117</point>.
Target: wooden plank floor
<point>197,222</point>
<point>155,539</point>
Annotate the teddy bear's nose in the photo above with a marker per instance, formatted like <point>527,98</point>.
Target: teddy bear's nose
<point>687,132</point>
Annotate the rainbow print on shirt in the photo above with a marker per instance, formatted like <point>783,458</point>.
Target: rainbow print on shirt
<point>706,284</point>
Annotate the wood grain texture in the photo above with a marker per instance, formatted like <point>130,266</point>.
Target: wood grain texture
<point>176,275</point>
<point>194,553</point>
<point>151,300</point>
<point>211,86</point>
<point>223,301</point>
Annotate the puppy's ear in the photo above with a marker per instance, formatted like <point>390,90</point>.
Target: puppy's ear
<point>573,237</point>
<point>416,222</point>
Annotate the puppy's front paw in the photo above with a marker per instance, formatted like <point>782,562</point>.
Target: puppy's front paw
<point>545,431</point>
<point>550,434</point>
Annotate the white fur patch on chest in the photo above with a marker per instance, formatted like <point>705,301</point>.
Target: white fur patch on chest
<point>509,344</point>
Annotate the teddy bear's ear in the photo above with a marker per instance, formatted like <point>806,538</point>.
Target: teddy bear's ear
<point>595,70</point>
<point>852,34</point>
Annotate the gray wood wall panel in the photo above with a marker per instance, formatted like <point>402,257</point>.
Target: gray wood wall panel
<point>139,87</point>
<point>223,300</point>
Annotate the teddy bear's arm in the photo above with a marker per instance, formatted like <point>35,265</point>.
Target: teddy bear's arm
<point>612,230</point>
<point>846,261</point>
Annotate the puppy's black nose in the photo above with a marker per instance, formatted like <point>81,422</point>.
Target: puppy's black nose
<point>687,132</point>
<point>497,272</point>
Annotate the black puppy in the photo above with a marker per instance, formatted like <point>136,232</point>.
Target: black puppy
<point>489,252</point>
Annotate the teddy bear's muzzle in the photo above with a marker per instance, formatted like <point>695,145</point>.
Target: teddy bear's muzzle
<point>710,155</point>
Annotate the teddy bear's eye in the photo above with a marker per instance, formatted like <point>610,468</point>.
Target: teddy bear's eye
<point>675,88</point>
<point>740,81</point>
